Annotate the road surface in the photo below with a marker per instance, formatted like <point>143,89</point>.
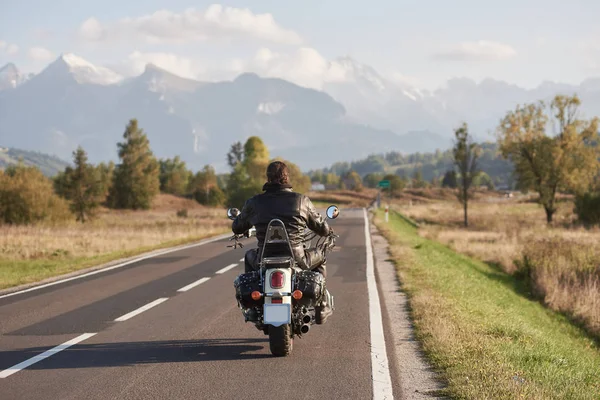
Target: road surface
<point>169,327</point>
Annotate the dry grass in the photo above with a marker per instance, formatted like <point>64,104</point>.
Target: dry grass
<point>561,262</point>
<point>27,251</point>
<point>477,329</point>
<point>343,198</point>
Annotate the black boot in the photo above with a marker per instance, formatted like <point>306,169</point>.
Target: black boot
<point>325,309</point>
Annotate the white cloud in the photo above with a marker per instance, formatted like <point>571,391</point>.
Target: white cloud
<point>40,54</point>
<point>9,49</point>
<point>481,50</point>
<point>191,25</point>
<point>305,67</point>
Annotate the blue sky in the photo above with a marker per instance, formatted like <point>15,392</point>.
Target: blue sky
<point>420,42</point>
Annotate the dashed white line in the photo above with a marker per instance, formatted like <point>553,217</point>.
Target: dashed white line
<point>16,368</point>
<point>141,309</point>
<point>241,259</point>
<point>193,285</point>
<point>227,268</point>
<point>99,271</point>
<point>380,370</point>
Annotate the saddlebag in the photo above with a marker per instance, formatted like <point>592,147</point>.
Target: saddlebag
<point>244,285</point>
<point>312,286</point>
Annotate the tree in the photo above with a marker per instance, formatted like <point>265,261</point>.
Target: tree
<point>466,154</point>
<point>396,183</point>
<point>352,181</point>
<point>204,187</point>
<point>27,196</point>
<point>418,181</point>
<point>136,179</point>
<point>566,161</point>
<point>82,188</point>
<point>236,154</point>
<point>372,179</point>
<point>104,176</point>
<point>450,179</point>
<point>174,176</point>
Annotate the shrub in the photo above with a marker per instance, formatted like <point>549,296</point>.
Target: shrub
<point>27,196</point>
<point>587,208</point>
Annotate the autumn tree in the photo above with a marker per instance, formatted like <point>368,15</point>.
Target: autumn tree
<point>548,164</point>
<point>136,179</point>
<point>248,173</point>
<point>466,155</point>
<point>174,176</point>
<point>27,196</point>
<point>353,181</point>
<point>204,187</point>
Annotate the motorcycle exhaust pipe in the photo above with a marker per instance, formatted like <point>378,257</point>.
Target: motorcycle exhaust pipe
<point>305,328</point>
<point>306,319</point>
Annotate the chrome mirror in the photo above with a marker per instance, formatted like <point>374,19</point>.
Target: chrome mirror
<point>333,212</point>
<point>232,213</point>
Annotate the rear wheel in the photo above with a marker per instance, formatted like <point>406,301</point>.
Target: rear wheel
<point>280,340</point>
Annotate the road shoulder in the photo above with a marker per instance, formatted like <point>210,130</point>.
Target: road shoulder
<point>417,378</point>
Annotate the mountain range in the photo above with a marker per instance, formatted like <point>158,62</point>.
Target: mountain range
<point>74,102</point>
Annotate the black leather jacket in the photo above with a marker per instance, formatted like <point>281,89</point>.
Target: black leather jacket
<point>279,201</point>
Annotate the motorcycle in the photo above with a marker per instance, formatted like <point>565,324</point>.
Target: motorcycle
<point>280,298</point>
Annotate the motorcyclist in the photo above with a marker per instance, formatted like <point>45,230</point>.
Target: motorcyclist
<point>297,213</point>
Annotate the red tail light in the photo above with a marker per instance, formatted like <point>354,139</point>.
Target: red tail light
<point>277,280</point>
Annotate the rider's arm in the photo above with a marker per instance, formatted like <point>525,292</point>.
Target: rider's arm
<point>314,220</point>
<point>242,222</point>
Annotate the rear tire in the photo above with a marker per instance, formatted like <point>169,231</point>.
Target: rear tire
<point>280,340</point>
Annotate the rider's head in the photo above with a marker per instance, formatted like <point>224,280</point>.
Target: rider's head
<point>277,172</point>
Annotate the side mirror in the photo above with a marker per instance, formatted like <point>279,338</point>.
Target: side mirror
<point>333,212</point>
<point>232,213</point>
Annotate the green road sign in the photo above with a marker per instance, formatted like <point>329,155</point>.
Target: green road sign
<point>384,184</point>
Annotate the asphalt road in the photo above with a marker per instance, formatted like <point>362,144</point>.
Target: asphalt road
<point>191,342</point>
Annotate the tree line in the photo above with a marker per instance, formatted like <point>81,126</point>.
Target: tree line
<point>27,195</point>
<point>543,148</point>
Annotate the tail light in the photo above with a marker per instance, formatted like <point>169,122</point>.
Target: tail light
<point>277,279</point>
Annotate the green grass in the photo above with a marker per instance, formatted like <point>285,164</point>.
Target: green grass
<point>479,329</point>
<point>14,273</point>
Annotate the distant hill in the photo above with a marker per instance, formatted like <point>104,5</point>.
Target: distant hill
<point>49,165</point>
<point>431,165</point>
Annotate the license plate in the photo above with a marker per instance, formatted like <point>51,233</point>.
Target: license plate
<point>277,314</point>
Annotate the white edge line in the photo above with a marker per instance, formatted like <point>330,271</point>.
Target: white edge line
<point>98,271</point>
<point>382,382</point>
<point>141,309</point>
<point>193,285</point>
<point>16,368</point>
<point>227,268</point>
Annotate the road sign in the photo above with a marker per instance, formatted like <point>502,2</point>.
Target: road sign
<point>384,184</point>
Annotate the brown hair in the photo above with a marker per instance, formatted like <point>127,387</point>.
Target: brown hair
<point>277,172</point>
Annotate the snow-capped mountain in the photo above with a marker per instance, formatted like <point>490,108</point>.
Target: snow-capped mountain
<point>70,66</point>
<point>70,103</point>
<point>73,102</point>
<point>11,77</point>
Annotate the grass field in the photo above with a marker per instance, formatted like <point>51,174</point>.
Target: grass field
<point>480,329</point>
<point>560,264</point>
<point>33,253</point>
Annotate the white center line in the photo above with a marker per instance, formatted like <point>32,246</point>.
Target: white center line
<point>241,259</point>
<point>141,309</point>
<point>193,285</point>
<point>227,268</point>
<point>16,368</point>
